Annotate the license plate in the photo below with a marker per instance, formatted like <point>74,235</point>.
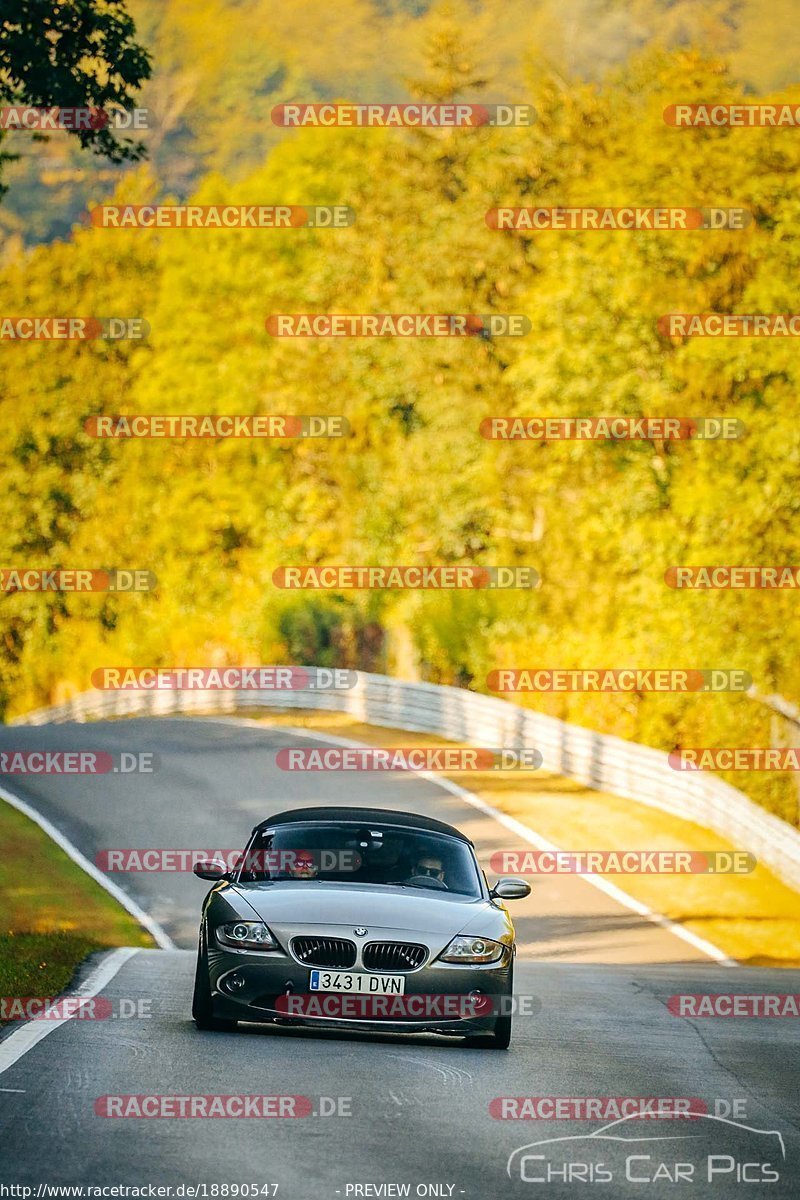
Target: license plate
<point>357,982</point>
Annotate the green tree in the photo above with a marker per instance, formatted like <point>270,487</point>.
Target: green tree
<point>78,54</point>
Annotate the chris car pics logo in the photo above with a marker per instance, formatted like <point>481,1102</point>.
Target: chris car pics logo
<point>708,1150</point>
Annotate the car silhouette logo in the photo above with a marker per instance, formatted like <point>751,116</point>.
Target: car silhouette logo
<point>360,931</point>
<point>620,1126</point>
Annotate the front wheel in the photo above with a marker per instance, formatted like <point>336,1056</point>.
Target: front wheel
<point>202,1004</point>
<point>500,1037</point>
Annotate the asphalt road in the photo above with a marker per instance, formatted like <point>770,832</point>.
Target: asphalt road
<point>412,1111</point>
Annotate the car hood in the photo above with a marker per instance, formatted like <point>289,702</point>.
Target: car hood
<point>389,908</point>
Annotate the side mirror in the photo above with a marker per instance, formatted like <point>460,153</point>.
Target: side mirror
<point>212,869</point>
<point>510,889</point>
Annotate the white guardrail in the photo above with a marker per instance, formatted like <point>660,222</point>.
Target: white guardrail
<point>597,760</point>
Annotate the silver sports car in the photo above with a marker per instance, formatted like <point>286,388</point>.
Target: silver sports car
<point>357,918</point>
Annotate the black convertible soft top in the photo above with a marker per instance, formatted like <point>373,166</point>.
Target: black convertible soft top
<point>363,816</point>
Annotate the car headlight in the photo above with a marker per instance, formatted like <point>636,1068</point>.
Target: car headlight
<point>464,949</point>
<point>246,935</point>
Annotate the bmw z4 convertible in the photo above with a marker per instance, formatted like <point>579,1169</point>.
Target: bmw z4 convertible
<point>357,918</point>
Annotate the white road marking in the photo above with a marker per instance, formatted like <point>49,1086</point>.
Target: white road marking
<point>147,922</point>
<point>522,831</point>
<point>24,1039</point>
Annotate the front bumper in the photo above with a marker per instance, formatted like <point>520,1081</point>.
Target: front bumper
<point>250,986</point>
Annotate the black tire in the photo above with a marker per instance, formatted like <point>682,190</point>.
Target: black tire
<point>202,1004</point>
<point>500,1037</point>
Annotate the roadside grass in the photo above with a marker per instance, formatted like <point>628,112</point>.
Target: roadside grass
<point>52,915</point>
<point>753,918</point>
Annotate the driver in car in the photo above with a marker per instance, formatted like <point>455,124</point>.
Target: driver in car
<point>303,865</point>
<point>429,867</point>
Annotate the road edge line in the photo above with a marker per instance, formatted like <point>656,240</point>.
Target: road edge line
<point>148,923</point>
<point>17,1044</point>
<point>524,831</point>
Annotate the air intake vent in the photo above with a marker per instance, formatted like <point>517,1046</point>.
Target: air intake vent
<point>324,952</point>
<point>393,956</point>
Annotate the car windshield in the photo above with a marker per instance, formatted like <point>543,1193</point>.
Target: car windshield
<point>378,855</point>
